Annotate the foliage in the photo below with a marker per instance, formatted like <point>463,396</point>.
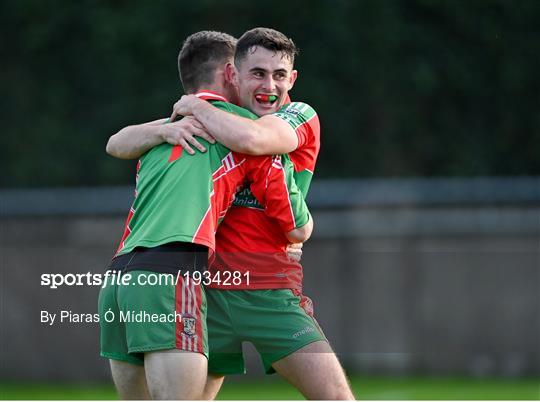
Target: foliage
<point>403,88</point>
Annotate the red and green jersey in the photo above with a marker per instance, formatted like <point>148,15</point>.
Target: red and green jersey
<point>182,198</point>
<point>250,240</point>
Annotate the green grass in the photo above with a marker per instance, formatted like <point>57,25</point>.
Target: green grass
<point>273,388</point>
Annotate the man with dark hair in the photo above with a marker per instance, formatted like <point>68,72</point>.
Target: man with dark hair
<point>154,331</point>
<point>289,340</point>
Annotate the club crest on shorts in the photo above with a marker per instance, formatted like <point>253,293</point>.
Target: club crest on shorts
<point>189,325</point>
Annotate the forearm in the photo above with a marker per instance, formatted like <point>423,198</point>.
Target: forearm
<point>235,132</point>
<point>133,141</point>
<point>269,135</point>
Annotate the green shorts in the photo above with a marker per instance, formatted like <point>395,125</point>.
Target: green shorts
<point>277,322</point>
<point>152,312</point>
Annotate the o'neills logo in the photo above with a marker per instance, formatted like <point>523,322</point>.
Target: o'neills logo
<point>304,331</point>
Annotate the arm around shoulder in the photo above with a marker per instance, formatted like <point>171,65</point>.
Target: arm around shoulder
<point>270,135</point>
<point>131,142</point>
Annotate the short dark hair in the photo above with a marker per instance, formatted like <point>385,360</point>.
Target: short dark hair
<point>267,38</point>
<point>201,54</point>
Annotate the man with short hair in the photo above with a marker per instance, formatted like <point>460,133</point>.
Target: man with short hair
<point>279,319</point>
<point>170,230</point>
<point>290,342</point>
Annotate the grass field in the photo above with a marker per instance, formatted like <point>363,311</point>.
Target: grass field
<point>274,388</point>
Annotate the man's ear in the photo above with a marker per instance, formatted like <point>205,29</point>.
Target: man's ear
<point>292,78</point>
<point>230,74</point>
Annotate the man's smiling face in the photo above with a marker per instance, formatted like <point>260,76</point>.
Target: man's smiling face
<point>264,78</point>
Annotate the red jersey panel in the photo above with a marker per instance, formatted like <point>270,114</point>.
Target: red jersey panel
<point>250,240</point>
